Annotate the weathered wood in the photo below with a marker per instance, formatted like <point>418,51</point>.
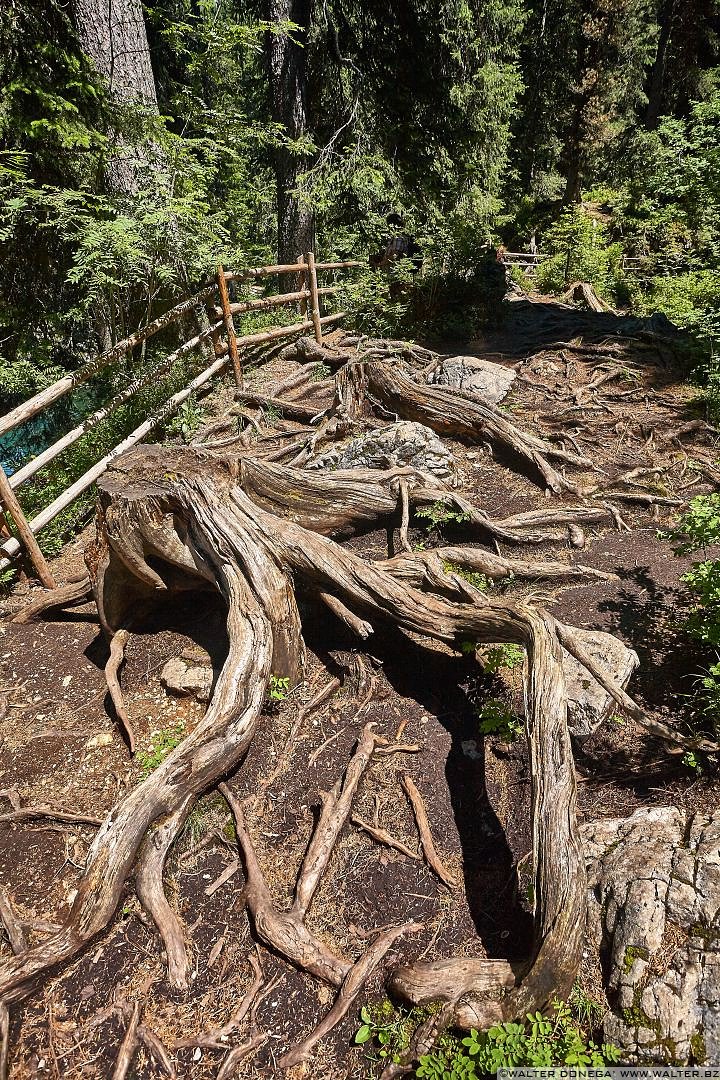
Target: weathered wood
<point>229,326</point>
<point>11,548</point>
<point>314,301</point>
<point>149,885</point>
<point>57,448</point>
<point>302,295</point>
<point>12,506</point>
<point>456,412</point>
<point>338,265</point>
<point>303,283</point>
<point>42,400</point>
<point>260,271</point>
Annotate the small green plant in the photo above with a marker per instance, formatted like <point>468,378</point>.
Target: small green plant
<point>7,577</point>
<point>497,719</point>
<point>539,1041</point>
<point>320,372</point>
<point>468,648</point>
<point>187,420</point>
<point>439,513</point>
<point>584,1008</point>
<point>271,414</point>
<point>163,742</point>
<point>279,688</point>
<point>502,656</point>
<point>388,1029</point>
<point>478,581</point>
<point>690,761</point>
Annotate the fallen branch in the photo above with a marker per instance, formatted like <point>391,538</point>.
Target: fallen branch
<point>129,1045</point>
<point>13,926</point>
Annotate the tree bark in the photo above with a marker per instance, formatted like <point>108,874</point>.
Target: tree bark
<point>113,34</point>
<point>287,73</point>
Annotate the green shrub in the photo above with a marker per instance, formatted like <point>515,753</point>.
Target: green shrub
<point>690,300</point>
<point>558,1039</point>
<point>577,249</point>
<point>539,1041</point>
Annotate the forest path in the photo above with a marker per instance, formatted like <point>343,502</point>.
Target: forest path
<point>61,744</point>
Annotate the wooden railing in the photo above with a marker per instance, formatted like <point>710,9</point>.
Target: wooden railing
<point>221,334</point>
<point>530,260</point>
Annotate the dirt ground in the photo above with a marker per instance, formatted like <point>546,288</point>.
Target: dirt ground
<point>60,745</point>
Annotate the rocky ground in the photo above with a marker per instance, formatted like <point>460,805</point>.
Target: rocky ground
<point>594,381</point>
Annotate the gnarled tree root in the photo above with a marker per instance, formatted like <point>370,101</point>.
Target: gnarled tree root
<point>73,594</point>
<point>184,520</point>
<point>149,886</point>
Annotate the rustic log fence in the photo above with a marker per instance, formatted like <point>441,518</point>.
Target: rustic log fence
<point>220,333</point>
<point>530,260</point>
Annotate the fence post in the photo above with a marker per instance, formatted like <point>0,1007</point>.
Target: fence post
<point>314,299</point>
<point>229,326</point>
<point>303,281</point>
<point>9,501</point>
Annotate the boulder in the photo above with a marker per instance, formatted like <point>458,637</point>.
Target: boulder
<point>403,444</point>
<point>487,380</point>
<point>588,703</point>
<point>654,914</point>
<point>189,675</point>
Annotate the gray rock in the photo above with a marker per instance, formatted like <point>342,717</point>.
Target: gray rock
<point>588,703</point>
<point>654,912</point>
<point>403,444</point>
<point>189,675</point>
<point>489,381</point>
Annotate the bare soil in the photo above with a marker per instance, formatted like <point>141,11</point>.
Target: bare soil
<point>60,745</point>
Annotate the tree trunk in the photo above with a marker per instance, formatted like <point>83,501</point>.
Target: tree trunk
<point>656,79</point>
<point>113,34</point>
<point>287,72</point>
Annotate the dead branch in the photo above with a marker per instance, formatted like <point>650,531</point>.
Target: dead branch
<point>334,815</point>
<point>381,835</point>
<point>4,1041</point>
<point>360,627</point>
<point>128,1046</point>
<point>27,813</point>
<point>13,926</point>
<point>215,1039</point>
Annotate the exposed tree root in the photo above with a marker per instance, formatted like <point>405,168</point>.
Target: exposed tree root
<point>129,1045</point>
<point>353,983</point>
<point>115,662</point>
<point>149,885</point>
<point>426,840</point>
<point>195,519</point>
<point>73,594</point>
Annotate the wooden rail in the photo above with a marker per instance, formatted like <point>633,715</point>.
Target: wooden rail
<point>228,344</point>
<point>631,264</point>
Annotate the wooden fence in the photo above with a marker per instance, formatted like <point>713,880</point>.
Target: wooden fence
<point>227,345</point>
<point>530,260</point>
